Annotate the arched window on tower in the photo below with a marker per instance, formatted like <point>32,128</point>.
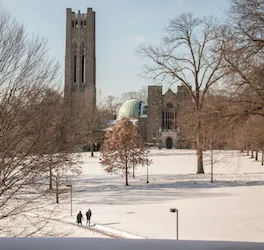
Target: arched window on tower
<point>168,116</point>
<point>84,23</point>
<point>81,23</point>
<point>76,24</point>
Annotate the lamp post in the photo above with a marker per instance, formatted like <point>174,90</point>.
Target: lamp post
<point>175,210</point>
<point>69,185</point>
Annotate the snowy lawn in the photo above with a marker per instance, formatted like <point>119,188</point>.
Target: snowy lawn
<point>229,209</point>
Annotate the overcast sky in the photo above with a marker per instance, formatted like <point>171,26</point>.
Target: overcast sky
<point>121,25</point>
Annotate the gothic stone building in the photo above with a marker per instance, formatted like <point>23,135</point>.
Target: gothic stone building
<point>163,116</point>
<point>158,120</point>
<point>80,62</point>
<point>158,126</point>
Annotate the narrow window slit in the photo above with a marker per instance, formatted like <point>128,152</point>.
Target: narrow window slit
<point>75,69</point>
<point>83,68</point>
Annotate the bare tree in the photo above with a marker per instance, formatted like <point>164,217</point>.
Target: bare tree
<point>246,17</point>
<point>217,133</point>
<point>91,128</point>
<point>143,94</point>
<point>250,136</point>
<point>242,48</point>
<point>61,173</point>
<point>26,124</point>
<point>129,95</point>
<point>110,106</point>
<point>123,148</point>
<point>188,55</point>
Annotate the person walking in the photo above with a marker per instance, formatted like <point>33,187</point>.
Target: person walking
<point>79,218</point>
<point>88,216</point>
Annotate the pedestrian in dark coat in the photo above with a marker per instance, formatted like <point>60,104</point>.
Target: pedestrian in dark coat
<point>88,216</point>
<point>79,218</point>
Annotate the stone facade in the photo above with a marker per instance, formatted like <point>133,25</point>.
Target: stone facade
<point>80,62</point>
<point>163,113</point>
<point>154,113</point>
<point>143,122</point>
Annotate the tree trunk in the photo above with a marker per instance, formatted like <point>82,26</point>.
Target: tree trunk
<point>3,181</point>
<point>252,154</point>
<point>247,152</point>
<point>133,170</point>
<point>256,156</point>
<point>262,158</point>
<point>50,177</point>
<point>199,152</point>
<point>126,174</point>
<point>92,149</point>
<point>57,188</point>
<point>212,166</point>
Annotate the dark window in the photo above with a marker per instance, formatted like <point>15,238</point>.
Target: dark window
<point>76,24</point>
<point>75,69</point>
<point>168,116</point>
<point>84,23</point>
<point>72,24</point>
<point>81,23</point>
<point>83,68</point>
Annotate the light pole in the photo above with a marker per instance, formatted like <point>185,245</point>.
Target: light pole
<point>69,185</point>
<point>175,210</point>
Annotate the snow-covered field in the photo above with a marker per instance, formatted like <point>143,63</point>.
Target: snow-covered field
<point>229,209</point>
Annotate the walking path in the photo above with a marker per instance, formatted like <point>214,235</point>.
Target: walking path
<point>101,231</point>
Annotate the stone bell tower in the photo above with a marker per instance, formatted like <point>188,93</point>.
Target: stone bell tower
<point>80,63</point>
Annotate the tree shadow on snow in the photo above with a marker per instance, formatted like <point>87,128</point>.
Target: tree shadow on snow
<point>170,152</point>
<point>161,188</point>
<point>151,193</point>
<point>111,223</point>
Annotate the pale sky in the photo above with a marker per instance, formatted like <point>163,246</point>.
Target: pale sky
<point>121,25</point>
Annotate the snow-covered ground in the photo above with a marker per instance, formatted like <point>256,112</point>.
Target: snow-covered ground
<point>229,209</point>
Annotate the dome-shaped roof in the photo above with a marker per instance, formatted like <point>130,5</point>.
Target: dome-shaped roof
<point>129,109</point>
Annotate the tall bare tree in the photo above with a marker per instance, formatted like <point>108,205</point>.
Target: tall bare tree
<point>188,55</point>
<point>242,44</point>
<point>26,125</point>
